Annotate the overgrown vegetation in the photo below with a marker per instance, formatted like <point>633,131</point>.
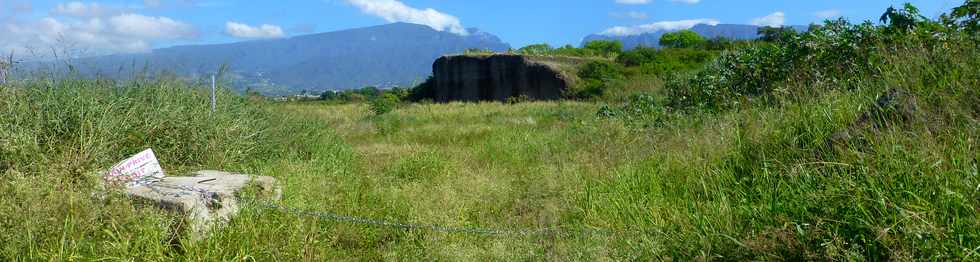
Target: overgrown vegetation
<point>848,142</point>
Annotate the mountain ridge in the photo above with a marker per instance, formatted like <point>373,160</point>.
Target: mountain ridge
<point>396,54</point>
<point>652,39</point>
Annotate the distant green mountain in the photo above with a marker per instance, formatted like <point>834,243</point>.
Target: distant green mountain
<point>386,55</point>
<point>652,39</point>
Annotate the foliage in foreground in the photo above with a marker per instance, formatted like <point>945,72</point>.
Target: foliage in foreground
<point>767,180</point>
<point>837,53</point>
<point>759,183</point>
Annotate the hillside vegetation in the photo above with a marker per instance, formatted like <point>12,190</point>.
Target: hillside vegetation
<point>848,142</point>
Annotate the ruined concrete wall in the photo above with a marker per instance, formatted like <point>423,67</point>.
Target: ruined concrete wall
<point>495,78</point>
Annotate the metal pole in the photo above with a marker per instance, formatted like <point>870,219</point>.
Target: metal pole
<point>213,99</point>
<point>3,71</point>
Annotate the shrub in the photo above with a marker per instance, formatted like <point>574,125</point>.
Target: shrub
<point>536,49</point>
<point>601,70</point>
<point>597,78</point>
<point>752,70</point>
<point>638,56</point>
<point>836,52</point>
<point>777,34</point>
<point>604,48</point>
<point>383,104</point>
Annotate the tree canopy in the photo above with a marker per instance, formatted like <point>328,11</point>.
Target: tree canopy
<point>605,48</point>
<point>536,49</point>
<point>681,39</point>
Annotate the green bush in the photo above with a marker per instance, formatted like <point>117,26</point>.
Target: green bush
<point>835,55</point>
<point>665,61</point>
<point>748,71</point>
<point>777,34</point>
<point>682,39</point>
<point>599,77</point>
<point>536,49</point>
<point>837,52</point>
<point>383,104</point>
<point>604,48</point>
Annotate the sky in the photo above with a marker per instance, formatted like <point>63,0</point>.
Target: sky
<point>117,26</point>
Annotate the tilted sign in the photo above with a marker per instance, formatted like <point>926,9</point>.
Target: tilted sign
<point>140,169</point>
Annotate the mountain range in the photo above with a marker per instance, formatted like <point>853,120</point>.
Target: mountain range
<point>395,54</point>
<point>652,39</point>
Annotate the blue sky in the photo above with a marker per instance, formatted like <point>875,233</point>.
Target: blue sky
<point>112,26</point>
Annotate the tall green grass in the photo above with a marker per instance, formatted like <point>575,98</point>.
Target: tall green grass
<point>752,177</point>
<point>57,137</point>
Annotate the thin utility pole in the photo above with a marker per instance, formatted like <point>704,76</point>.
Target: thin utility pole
<point>3,72</point>
<point>4,66</point>
<point>213,99</point>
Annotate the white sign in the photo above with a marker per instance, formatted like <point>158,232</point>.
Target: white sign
<point>139,169</point>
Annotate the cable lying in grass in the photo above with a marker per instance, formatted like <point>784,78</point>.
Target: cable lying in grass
<point>425,227</point>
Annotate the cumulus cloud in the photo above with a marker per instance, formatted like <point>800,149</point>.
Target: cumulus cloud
<point>264,31</point>
<point>90,29</point>
<point>775,19</point>
<point>395,11</point>
<point>826,14</point>
<point>658,26</point>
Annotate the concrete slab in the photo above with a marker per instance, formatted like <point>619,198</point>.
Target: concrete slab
<point>208,198</point>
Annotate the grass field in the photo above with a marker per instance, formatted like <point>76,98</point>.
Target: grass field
<point>735,172</point>
<point>752,183</point>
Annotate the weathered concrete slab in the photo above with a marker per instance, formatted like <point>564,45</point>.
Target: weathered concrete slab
<point>209,198</point>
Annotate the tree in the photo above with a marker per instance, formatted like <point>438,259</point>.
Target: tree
<point>536,49</point>
<point>638,56</point>
<point>777,34</point>
<point>605,48</point>
<point>904,20</point>
<point>681,39</point>
<point>966,16</point>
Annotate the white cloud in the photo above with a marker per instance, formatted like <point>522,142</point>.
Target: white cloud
<point>633,2</point>
<point>395,11</point>
<point>658,26</point>
<point>151,27</point>
<point>246,31</point>
<point>690,2</point>
<point>826,14</point>
<point>774,19</point>
<point>89,29</point>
